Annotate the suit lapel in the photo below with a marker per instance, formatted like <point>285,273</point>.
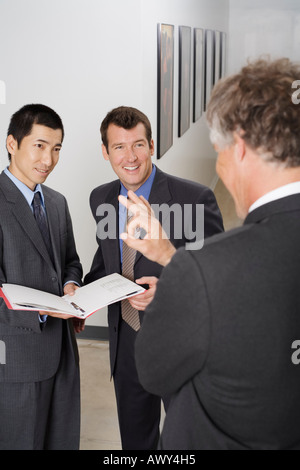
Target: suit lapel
<point>110,246</point>
<point>160,192</point>
<point>53,223</point>
<point>26,219</point>
<point>23,215</point>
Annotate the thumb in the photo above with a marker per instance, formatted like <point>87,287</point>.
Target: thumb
<point>151,280</point>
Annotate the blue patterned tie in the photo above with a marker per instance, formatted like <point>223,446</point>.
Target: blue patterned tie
<point>41,219</point>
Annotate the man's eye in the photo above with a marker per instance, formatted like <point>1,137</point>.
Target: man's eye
<point>39,146</point>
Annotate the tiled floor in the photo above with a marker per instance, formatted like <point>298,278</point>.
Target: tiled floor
<point>99,422</point>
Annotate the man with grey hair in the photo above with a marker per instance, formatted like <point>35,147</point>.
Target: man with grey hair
<point>228,314</point>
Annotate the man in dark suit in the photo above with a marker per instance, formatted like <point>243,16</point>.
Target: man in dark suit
<point>220,334</point>
<point>39,382</point>
<point>128,145</point>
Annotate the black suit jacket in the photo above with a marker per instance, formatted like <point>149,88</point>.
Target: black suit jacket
<point>33,350</point>
<point>228,316</point>
<point>165,189</point>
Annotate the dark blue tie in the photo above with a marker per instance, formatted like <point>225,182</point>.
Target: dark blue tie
<point>41,219</point>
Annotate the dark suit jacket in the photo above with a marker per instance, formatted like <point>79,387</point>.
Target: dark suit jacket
<point>32,350</point>
<point>228,315</point>
<point>165,189</point>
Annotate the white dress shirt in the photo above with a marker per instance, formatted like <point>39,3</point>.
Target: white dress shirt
<point>278,193</point>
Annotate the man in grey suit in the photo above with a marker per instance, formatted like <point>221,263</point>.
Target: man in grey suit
<point>222,330</point>
<point>128,146</point>
<point>39,382</point>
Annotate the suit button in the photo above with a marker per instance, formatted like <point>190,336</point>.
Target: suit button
<point>54,279</point>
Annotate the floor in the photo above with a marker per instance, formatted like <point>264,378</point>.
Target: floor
<point>99,422</point>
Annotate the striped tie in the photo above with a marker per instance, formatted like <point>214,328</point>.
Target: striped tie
<point>41,219</point>
<point>129,314</point>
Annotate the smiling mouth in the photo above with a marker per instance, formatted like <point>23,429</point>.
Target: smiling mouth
<point>131,168</point>
<point>42,172</point>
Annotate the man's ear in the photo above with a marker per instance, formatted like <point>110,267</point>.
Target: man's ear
<point>105,153</point>
<point>11,144</point>
<point>240,146</point>
<point>152,148</point>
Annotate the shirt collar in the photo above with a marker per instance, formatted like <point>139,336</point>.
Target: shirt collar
<point>27,193</point>
<point>143,190</point>
<point>278,193</point>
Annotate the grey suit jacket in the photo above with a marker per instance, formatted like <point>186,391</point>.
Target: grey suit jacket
<point>166,189</point>
<point>234,311</point>
<point>33,350</point>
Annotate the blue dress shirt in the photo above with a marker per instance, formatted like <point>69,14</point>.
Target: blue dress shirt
<point>144,191</point>
<point>27,193</point>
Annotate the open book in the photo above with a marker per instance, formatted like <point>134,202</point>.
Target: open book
<point>86,300</point>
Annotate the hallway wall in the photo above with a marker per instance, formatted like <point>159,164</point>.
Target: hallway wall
<point>83,58</point>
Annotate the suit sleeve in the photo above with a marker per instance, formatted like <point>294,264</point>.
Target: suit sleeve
<point>201,216</point>
<point>213,221</point>
<point>98,268</point>
<point>172,344</point>
<point>73,268</point>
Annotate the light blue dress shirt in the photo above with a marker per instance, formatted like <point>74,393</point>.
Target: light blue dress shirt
<point>144,191</point>
<point>27,193</point>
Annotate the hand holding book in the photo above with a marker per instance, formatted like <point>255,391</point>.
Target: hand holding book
<point>82,302</point>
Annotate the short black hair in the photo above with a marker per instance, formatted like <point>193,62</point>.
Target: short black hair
<point>22,121</point>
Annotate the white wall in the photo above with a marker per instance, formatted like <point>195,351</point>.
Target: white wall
<point>191,156</point>
<point>84,57</point>
<point>259,27</point>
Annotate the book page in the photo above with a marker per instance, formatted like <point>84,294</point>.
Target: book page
<point>85,301</point>
<point>103,292</point>
<point>25,298</point>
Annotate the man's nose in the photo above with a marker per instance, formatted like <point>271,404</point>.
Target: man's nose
<point>47,158</point>
<point>130,155</point>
